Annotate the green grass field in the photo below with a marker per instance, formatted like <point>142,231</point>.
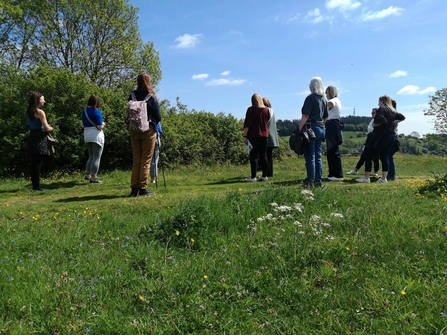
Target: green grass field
<point>210,254</point>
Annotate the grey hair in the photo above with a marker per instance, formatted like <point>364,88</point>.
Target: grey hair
<point>316,86</point>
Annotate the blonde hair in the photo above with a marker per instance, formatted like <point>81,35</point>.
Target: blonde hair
<point>386,100</point>
<point>266,102</point>
<point>256,101</point>
<point>316,86</point>
<point>331,92</point>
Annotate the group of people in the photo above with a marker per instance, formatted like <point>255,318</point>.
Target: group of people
<point>145,145</point>
<point>261,134</point>
<point>321,112</point>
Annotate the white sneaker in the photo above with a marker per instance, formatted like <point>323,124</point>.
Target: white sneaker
<point>352,172</point>
<point>335,179</point>
<point>261,178</point>
<point>250,179</point>
<point>363,180</point>
<point>380,180</point>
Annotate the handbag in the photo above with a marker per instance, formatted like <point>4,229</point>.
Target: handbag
<point>307,133</point>
<point>51,144</point>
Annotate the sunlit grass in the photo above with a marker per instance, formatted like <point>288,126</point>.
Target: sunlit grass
<point>212,254</point>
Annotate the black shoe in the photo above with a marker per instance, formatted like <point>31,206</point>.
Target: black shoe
<point>145,193</point>
<point>134,192</point>
<point>96,181</point>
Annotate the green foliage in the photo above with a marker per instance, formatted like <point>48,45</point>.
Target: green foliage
<point>98,39</point>
<point>437,107</point>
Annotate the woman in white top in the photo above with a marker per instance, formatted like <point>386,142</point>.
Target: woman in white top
<point>334,136</point>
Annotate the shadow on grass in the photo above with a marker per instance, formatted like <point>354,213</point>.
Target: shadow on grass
<point>241,180</point>
<point>91,197</point>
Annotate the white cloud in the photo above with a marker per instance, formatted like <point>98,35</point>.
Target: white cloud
<point>200,76</point>
<point>222,81</point>
<point>314,16</point>
<point>399,73</point>
<point>370,16</point>
<point>415,90</point>
<point>293,18</point>
<point>225,73</point>
<point>188,41</point>
<point>342,5</point>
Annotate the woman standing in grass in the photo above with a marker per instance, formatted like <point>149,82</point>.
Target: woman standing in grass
<point>382,139</point>
<point>334,136</point>
<point>256,132</point>
<point>93,137</point>
<point>39,128</point>
<point>143,143</point>
<point>272,141</point>
<point>314,115</point>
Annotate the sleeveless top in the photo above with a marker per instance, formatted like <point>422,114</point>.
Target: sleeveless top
<point>34,124</point>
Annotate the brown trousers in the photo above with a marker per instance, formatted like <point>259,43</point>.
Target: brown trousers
<point>142,150</point>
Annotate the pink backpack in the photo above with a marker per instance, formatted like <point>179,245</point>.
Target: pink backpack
<point>136,119</point>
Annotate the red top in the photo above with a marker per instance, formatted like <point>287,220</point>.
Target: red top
<point>256,119</point>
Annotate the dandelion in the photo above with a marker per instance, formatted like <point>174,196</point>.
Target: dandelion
<point>403,292</point>
<point>205,277</point>
<point>347,248</point>
<point>177,233</point>
<point>192,240</point>
<point>141,297</point>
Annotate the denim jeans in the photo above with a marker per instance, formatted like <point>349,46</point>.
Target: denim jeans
<point>94,158</point>
<point>312,155</point>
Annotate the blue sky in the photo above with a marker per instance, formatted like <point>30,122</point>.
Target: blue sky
<point>215,54</point>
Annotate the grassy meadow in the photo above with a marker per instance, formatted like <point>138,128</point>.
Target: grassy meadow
<point>211,254</point>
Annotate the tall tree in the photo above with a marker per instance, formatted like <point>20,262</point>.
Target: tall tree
<point>99,39</point>
<point>437,107</point>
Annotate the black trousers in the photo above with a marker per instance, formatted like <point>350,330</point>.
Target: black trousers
<point>36,166</point>
<point>259,150</point>
<point>334,162</point>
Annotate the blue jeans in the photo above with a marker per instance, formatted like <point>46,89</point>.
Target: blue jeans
<point>312,155</point>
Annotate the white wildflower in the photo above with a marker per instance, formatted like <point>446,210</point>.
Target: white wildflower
<point>297,223</point>
<point>314,218</point>
<point>307,192</point>
<point>274,204</point>
<point>337,215</point>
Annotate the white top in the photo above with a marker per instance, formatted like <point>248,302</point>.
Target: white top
<point>92,134</point>
<point>370,126</point>
<point>335,112</point>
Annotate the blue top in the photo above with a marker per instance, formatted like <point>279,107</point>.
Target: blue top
<point>35,123</point>
<point>94,115</point>
<point>316,107</point>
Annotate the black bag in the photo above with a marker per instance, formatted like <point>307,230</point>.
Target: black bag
<point>308,133</point>
<point>295,142</point>
<point>396,146</point>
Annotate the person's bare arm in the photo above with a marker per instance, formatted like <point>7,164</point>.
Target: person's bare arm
<point>330,105</point>
<point>304,118</point>
<point>43,119</point>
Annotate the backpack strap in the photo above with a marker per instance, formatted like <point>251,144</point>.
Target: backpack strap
<point>89,120</point>
<point>148,96</point>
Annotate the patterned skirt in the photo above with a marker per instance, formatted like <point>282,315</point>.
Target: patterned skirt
<point>38,142</point>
